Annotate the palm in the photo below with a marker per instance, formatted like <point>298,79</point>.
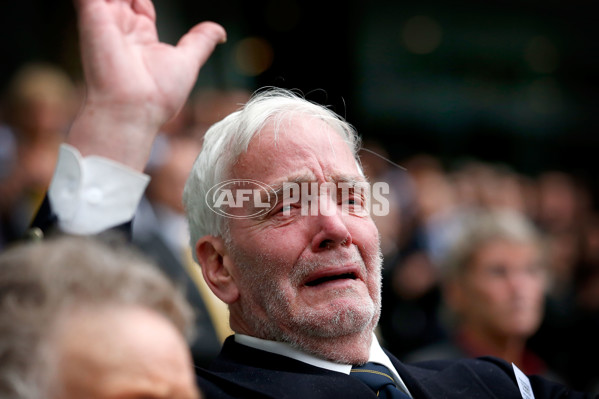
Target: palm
<point>126,65</point>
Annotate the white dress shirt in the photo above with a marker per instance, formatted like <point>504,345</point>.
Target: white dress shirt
<point>92,194</point>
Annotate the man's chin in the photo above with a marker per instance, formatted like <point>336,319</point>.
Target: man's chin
<point>344,343</point>
<point>339,318</point>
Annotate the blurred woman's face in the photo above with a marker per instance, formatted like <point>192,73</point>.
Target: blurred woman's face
<point>503,290</point>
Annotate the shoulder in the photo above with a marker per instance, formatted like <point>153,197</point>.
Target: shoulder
<point>484,377</point>
<point>243,372</point>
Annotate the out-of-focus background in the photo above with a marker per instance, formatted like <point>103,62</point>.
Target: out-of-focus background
<point>504,80</point>
<point>488,104</point>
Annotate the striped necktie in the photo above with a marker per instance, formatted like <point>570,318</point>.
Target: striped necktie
<point>378,378</point>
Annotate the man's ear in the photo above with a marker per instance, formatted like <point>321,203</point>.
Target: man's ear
<point>216,268</point>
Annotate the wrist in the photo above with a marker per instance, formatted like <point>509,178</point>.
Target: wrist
<point>122,133</point>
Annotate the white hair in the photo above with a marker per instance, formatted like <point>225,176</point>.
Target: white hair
<point>226,140</point>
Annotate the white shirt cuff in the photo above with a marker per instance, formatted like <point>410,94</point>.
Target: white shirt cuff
<point>92,194</point>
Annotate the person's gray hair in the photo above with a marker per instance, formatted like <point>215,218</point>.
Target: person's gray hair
<point>481,226</point>
<point>226,140</point>
<point>41,281</point>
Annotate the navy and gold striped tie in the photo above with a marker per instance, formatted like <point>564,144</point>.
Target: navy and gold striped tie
<point>379,379</point>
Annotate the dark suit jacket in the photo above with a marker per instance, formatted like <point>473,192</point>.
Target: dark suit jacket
<point>243,372</point>
<point>205,345</point>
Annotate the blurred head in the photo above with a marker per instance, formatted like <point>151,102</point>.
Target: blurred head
<point>563,201</point>
<point>41,101</point>
<point>435,195</point>
<point>306,279</point>
<point>491,186</point>
<point>84,319</point>
<point>170,170</point>
<point>495,277</point>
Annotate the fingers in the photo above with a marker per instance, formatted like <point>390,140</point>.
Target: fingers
<point>144,7</point>
<point>200,41</point>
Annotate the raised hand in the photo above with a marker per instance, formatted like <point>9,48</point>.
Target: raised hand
<point>134,82</point>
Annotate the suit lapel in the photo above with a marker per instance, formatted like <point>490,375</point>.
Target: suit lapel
<point>466,378</point>
<point>249,372</point>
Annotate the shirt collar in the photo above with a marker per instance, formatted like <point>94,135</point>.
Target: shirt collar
<point>284,349</point>
<point>377,355</point>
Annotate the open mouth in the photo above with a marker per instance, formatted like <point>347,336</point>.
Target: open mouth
<point>326,279</point>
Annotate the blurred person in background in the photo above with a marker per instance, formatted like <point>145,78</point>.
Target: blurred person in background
<point>494,186</point>
<point>80,318</point>
<point>409,316</point>
<point>394,227</point>
<point>494,281</point>
<point>563,213</point>
<point>568,333</point>
<point>161,231</point>
<point>584,334</point>
<point>563,201</point>
<point>39,105</point>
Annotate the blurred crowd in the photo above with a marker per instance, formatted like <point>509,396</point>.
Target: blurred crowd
<point>479,259</point>
<point>36,110</point>
<point>37,107</point>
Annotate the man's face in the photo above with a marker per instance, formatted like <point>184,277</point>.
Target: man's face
<point>121,352</point>
<point>504,289</point>
<point>305,277</point>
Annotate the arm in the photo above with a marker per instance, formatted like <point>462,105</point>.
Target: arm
<point>134,84</point>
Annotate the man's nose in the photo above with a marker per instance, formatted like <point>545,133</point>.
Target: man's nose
<point>331,230</point>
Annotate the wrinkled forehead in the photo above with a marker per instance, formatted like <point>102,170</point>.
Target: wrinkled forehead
<point>293,139</point>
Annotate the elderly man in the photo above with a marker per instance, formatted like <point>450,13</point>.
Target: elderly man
<point>279,221</point>
<point>83,319</point>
